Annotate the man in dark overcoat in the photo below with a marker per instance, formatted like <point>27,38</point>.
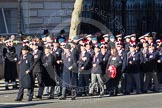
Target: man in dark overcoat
<point>68,66</point>
<point>25,74</point>
<point>84,68</point>
<point>152,58</point>
<point>49,71</point>
<point>10,64</point>
<point>37,68</point>
<point>133,70</point>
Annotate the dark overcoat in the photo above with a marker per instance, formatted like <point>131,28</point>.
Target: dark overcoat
<point>37,65</point>
<point>10,63</point>
<point>26,80</point>
<point>67,74</point>
<point>136,60</point>
<point>49,72</point>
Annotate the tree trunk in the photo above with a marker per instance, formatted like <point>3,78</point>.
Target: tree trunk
<point>75,19</point>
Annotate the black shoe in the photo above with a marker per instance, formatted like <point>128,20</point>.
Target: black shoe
<point>30,99</point>
<point>156,91</point>
<point>144,91</point>
<point>40,97</point>
<point>51,97</point>
<point>115,92</point>
<point>111,94</point>
<point>126,93</point>
<point>62,98</point>
<point>138,92</point>
<point>6,88</point>
<point>18,100</point>
<point>14,87</point>
<point>90,94</point>
<point>73,98</point>
<point>79,95</point>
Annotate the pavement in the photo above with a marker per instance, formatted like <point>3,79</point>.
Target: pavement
<point>150,100</point>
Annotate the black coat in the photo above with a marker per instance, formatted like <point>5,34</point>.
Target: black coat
<point>10,64</point>
<point>105,58</point>
<point>160,64</point>
<point>123,57</point>
<point>136,60</point>
<point>57,53</point>
<point>37,65</point>
<point>152,61</point>
<point>67,62</point>
<point>144,64</point>
<point>48,74</point>
<point>75,58</point>
<point>91,52</point>
<point>26,80</point>
<point>126,47</point>
<point>85,63</point>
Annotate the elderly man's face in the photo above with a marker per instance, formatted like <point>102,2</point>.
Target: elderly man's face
<point>88,47</point>
<point>55,44</point>
<point>34,47</point>
<point>132,49</point>
<point>46,51</point>
<point>24,52</point>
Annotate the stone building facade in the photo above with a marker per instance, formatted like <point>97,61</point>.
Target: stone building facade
<point>37,15</point>
<point>131,16</point>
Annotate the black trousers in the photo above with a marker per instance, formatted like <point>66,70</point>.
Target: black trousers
<point>73,86</point>
<point>113,83</point>
<point>83,83</point>
<point>149,76</point>
<point>133,78</point>
<point>142,74</point>
<point>38,75</point>
<point>21,93</point>
<point>123,83</point>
